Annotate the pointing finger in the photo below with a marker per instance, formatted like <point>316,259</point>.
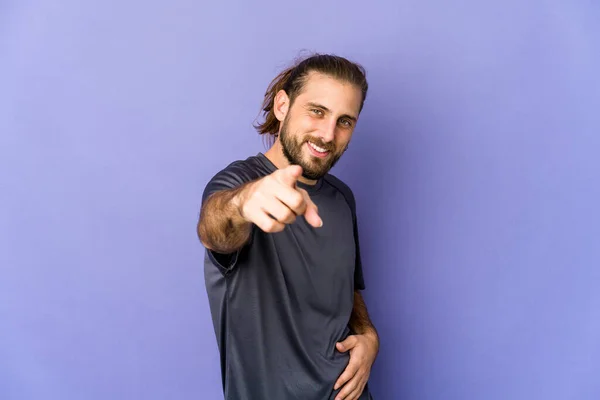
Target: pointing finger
<point>311,214</point>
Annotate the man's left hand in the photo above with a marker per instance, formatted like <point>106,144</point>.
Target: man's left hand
<point>363,351</point>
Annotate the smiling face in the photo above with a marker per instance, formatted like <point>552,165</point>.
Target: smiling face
<point>317,127</point>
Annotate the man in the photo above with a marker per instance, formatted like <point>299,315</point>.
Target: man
<point>282,267</point>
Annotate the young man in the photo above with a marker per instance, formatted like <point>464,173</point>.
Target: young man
<point>282,267</point>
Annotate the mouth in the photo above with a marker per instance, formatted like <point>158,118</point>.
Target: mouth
<point>317,151</point>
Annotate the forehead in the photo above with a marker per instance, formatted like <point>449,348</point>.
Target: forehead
<point>339,96</point>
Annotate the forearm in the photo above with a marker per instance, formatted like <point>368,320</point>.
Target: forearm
<point>221,227</point>
<point>360,323</point>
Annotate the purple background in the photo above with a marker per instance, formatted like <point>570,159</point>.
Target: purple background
<point>475,165</point>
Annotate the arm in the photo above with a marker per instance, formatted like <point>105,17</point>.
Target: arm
<point>363,346</point>
<point>360,323</point>
<point>221,227</point>
<point>270,202</point>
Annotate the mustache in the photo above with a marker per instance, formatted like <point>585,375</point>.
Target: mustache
<point>319,142</point>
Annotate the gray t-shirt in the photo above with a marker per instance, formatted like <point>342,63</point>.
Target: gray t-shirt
<point>280,304</point>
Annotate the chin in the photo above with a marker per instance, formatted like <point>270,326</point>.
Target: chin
<point>313,177</point>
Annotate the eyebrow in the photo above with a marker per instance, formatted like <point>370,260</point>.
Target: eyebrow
<point>317,105</point>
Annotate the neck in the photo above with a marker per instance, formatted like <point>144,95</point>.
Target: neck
<point>276,156</point>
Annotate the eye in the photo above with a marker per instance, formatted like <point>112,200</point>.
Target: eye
<point>346,123</point>
<point>316,111</point>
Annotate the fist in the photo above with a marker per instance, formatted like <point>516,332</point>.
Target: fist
<point>274,201</point>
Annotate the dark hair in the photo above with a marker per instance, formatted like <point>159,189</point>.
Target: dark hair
<point>292,81</point>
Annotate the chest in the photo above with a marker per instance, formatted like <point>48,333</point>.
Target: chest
<point>322,256</point>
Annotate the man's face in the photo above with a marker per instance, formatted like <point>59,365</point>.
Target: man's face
<point>318,126</point>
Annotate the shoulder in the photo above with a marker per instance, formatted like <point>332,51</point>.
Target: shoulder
<point>247,169</point>
<point>343,188</point>
<point>236,173</point>
<point>241,171</point>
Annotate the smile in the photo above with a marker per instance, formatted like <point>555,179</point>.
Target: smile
<point>317,151</point>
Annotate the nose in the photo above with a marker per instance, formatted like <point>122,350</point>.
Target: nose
<point>328,130</point>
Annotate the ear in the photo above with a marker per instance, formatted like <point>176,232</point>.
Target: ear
<point>281,105</point>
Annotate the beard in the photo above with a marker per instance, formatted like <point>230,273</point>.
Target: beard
<point>314,168</point>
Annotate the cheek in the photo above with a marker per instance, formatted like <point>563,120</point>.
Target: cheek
<point>310,124</point>
<point>302,125</point>
<point>342,139</point>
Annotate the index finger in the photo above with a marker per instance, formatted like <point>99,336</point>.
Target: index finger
<point>311,213</point>
<point>348,374</point>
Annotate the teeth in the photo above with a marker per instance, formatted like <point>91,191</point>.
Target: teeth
<point>317,148</point>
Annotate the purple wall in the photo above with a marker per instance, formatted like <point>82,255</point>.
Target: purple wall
<point>475,167</point>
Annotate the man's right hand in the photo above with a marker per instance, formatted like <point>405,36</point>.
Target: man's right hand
<point>275,200</point>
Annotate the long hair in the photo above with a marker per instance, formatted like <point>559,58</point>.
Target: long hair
<point>293,79</point>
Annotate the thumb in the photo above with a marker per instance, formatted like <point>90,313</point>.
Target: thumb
<point>311,214</point>
<point>347,344</point>
<point>289,175</point>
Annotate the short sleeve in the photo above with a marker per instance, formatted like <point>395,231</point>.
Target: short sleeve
<point>234,175</point>
<point>359,280</point>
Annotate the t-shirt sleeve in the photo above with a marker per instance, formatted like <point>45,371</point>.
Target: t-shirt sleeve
<point>234,175</point>
<point>359,280</point>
